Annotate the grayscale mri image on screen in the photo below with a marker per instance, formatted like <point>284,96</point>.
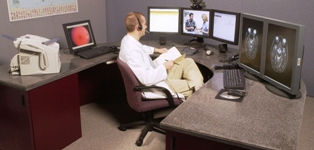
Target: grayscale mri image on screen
<point>251,46</point>
<point>279,56</point>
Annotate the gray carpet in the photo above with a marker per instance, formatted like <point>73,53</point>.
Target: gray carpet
<point>100,121</point>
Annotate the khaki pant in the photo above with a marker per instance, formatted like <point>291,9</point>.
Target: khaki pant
<point>183,77</point>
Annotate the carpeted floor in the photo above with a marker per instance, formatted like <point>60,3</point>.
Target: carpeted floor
<point>100,121</point>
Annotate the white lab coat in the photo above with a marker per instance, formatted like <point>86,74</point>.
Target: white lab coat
<point>136,56</point>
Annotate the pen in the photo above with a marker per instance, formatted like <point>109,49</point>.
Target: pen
<point>173,62</point>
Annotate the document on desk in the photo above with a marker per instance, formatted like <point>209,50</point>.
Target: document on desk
<point>172,54</point>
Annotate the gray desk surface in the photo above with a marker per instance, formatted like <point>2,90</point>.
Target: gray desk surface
<point>70,64</point>
<point>261,121</point>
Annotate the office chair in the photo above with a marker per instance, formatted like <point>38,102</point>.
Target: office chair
<point>146,107</point>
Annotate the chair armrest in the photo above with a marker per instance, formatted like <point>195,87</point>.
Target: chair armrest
<point>166,91</point>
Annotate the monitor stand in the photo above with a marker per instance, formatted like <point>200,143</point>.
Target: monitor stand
<point>199,43</point>
<point>281,93</point>
<point>252,77</point>
<point>198,40</point>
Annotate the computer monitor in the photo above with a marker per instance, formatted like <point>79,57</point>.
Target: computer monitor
<point>225,26</point>
<point>163,20</point>
<point>79,35</point>
<point>196,23</point>
<point>252,45</point>
<point>284,56</point>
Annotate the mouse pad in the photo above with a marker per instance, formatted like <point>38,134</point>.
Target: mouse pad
<point>223,95</point>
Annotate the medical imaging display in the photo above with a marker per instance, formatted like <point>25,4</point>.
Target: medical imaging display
<point>79,35</point>
<point>279,55</point>
<point>251,43</point>
<point>251,47</point>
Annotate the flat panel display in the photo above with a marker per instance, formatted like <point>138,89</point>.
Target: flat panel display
<point>196,23</point>
<point>225,26</point>
<point>79,35</point>
<point>284,54</point>
<point>163,20</point>
<point>251,46</point>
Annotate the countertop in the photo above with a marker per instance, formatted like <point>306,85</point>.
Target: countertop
<point>70,64</point>
<point>262,120</point>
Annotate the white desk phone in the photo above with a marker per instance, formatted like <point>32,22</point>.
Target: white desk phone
<point>36,55</point>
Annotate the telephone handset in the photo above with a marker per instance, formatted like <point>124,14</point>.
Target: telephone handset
<point>36,55</point>
<point>33,50</point>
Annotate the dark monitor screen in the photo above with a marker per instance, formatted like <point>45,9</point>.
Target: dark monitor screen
<point>284,53</point>
<point>79,35</point>
<point>196,23</point>
<point>225,26</point>
<point>163,20</point>
<point>251,46</point>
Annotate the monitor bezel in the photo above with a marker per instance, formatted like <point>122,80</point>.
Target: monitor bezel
<point>250,70</point>
<point>182,22</point>
<point>71,47</point>
<point>294,88</point>
<point>237,30</point>
<point>163,7</point>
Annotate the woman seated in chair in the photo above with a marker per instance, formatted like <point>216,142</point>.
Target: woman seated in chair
<point>184,78</point>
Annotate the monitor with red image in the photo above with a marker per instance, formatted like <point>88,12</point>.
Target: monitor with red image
<point>79,35</point>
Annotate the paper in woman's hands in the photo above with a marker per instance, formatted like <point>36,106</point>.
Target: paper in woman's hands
<point>172,54</point>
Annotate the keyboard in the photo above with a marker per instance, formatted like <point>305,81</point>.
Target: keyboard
<point>94,52</point>
<point>233,79</point>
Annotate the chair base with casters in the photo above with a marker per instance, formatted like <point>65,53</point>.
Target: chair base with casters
<point>150,124</point>
<point>146,107</point>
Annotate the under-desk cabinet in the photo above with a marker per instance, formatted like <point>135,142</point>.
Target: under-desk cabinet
<point>44,118</point>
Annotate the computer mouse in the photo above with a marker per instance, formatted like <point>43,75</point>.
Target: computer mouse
<point>236,93</point>
<point>209,52</point>
<point>227,96</point>
<point>113,47</point>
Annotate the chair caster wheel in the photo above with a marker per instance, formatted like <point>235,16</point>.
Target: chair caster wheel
<point>139,142</point>
<point>122,128</point>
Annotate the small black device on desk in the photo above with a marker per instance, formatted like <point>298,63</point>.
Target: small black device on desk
<point>189,50</point>
<point>230,59</point>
